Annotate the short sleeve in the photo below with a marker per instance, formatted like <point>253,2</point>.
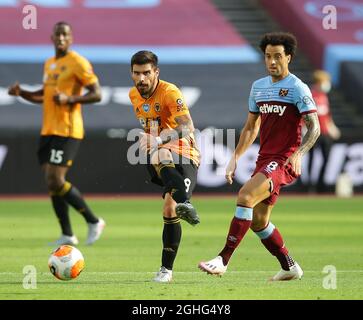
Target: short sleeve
<point>84,72</point>
<point>174,101</point>
<point>303,99</point>
<point>252,106</point>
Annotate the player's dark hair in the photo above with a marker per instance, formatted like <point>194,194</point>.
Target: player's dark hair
<point>62,23</point>
<point>144,57</point>
<point>285,39</point>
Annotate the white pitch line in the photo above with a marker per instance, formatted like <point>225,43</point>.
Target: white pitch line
<point>180,272</point>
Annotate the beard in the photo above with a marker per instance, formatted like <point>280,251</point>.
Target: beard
<point>143,89</point>
<point>146,90</point>
<point>275,72</point>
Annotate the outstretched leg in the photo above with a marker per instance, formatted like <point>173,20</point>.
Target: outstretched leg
<point>274,243</point>
<point>254,191</point>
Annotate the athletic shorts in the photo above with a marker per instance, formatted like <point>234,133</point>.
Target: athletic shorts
<point>185,167</point>
<point>280,176</point>
<point>57,150</point>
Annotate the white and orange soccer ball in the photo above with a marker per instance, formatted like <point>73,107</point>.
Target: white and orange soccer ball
<point>66,262</point>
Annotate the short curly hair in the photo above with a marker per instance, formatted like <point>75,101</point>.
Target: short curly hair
<point>286,39</point>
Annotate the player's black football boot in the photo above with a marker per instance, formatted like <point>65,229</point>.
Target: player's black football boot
<point>187,212</point>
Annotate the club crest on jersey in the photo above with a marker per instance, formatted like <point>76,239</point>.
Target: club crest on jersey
<point>157,107</point>
<point>180,105</point>
<point>273,108</point>
<point>283,92</point>
<point>142,122</point>
<point>146,107</point>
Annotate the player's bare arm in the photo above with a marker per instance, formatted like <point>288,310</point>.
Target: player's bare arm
<point>93,95</point>
<point>313,131</point>
<point>32,96</point>
<point>247,137</point>
<point>184,128</point>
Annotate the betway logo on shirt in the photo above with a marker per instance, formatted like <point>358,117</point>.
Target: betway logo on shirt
<point>273,108</point>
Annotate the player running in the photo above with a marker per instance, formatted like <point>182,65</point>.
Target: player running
<point>277,104</point>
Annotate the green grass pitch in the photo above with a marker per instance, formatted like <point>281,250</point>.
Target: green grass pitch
<point>317,231</point>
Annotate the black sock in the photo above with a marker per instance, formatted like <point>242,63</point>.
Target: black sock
<point>171,239</point>
<point>72,195</point>
<point>60,207</point>
<point>173,181</point>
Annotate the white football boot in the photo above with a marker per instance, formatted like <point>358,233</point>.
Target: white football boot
<point>163,275</point>
<point>214,266</point>
<point>95,230</point>
<point>64,239</point>
<point>295,272</point>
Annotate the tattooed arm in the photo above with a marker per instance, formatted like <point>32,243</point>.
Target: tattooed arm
<point>184,128</point>
<point>312,124</point>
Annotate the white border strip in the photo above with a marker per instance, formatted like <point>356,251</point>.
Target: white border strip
<point>122,54</point>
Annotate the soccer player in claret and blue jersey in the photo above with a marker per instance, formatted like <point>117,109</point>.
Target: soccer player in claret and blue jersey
<point>277,104</point>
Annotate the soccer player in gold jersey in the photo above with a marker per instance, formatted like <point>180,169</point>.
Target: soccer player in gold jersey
<point>65,76</point>
<point>170,146</point>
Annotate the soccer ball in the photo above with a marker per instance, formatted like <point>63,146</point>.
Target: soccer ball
<point>66,262</point>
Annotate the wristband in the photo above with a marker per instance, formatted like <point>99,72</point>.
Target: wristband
<point>159,140</point>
